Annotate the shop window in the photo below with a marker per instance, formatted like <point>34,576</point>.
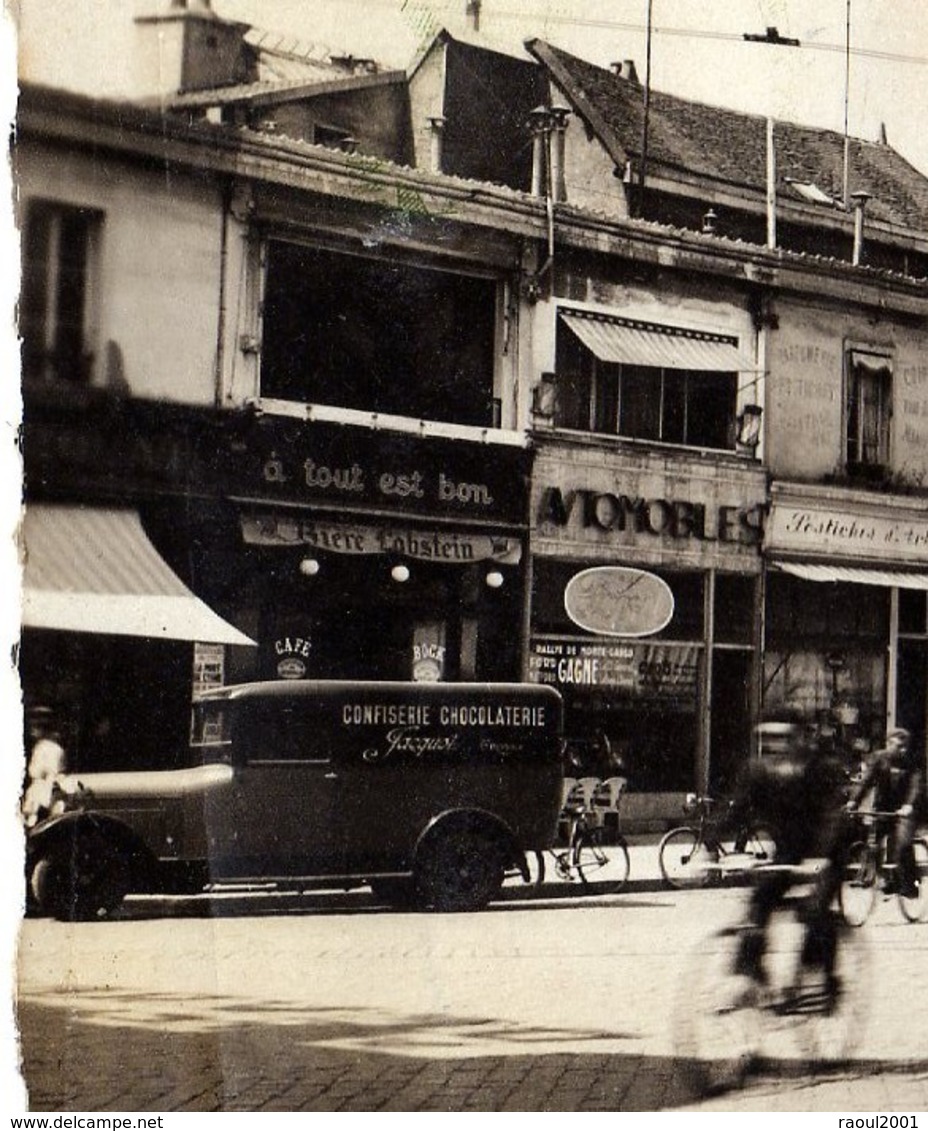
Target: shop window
<point>913,612</point>
<point>869,389</point>
<point>377,336</point>
<point>663,403</point>
<point>59,249</point>
<point>734,608</point>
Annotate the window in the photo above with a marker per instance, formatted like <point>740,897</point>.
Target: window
<point>623,378</point>
<point>378,335</point>
<point>869,385</point>
<point>59,248</point>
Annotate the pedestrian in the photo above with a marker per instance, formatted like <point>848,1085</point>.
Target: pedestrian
<point>894,782</point>
<point>46,762</point>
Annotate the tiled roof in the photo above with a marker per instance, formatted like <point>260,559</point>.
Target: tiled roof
<point>287,66</point>
<point>728,147</point>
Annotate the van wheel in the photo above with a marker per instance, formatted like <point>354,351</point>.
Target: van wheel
<point>82,878</point>
<point>459,869</point>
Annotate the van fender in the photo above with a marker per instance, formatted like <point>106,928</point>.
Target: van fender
<point>62,828</point>
<point>474,820</point>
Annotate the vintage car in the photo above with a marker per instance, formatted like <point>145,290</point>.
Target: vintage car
<point>428,792</point>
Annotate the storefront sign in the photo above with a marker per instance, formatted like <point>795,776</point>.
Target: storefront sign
<point>651,671</point>
<point>450,547</point>
<point>340,466</point>
<point>818,529</point>
<point>616,601</point>
<point>291,655</point>
<point>671,518</point>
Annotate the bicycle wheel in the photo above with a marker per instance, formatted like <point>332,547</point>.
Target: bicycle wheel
<point>915,907</point>
<point>683,858</point>
<point>603,867</point>
<point>715,1027</point>
<point>857,893</point>
<point>830,1026</point>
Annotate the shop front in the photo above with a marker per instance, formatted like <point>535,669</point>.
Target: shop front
<point>645,615</point>
<point>353,553</point>
<point>171,550</point>
<point>847,614</point>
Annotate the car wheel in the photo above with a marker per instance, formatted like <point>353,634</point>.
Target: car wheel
<point>459,869</point>
<point>82,878</point>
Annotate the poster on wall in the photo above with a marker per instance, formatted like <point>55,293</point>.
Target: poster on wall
<point>664,672</point>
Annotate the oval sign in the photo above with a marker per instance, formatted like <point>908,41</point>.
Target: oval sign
<point>618,601</point>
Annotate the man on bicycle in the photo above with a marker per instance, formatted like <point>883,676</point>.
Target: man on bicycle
<point>894,783</point>
<point>797,790</point>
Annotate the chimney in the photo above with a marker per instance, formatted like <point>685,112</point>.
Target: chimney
<point>438,131</point>
<point>559,116</point>
<point>183,46</point>
<point>539,122</point>
<point>473,14</point>
<point>860,199</point>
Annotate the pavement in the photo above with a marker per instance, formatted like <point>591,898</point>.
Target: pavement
<point>325,1002</point>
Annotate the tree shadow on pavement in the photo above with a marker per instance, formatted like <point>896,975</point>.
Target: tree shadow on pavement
<point>101,1050</point>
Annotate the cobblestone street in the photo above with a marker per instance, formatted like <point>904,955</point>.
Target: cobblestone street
<point>329,1003</point>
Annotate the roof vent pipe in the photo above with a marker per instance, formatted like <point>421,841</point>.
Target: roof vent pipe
<point>629,71</point>
<point>539,122</point>
<point>559,116</point>
<point>860,199</point>
<point>437,125</point>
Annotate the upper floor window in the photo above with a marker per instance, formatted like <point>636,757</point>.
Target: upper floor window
<point>56,304</point>
<point>869,389</point>
<point>649,382</point>
<point>377,335</point>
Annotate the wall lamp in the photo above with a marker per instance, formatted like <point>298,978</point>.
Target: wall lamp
<point>749,419</point>
<point>494,579</point>
<point>309,567</point>
<point>400,573</point>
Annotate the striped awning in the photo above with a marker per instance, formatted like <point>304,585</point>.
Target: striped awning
<point>90,569</point>
<point>855,575</point>
<point>625,341</point>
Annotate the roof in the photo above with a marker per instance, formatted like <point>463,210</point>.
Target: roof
<point>289,69</point>
<point>729,147</point>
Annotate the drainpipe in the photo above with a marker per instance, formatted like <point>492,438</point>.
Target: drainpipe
<point>771,187</point>
<point>223,286</point>
<point>860,199</point>
<point>438,131</point>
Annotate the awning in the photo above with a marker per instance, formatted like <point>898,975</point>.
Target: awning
<point>90,569</point>
<point>855,575</point>
<point>625,341</point>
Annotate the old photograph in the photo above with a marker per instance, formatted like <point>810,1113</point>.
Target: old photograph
<point>466,511</point>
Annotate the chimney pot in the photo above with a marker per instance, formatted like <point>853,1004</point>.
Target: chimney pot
<point>629,71</point>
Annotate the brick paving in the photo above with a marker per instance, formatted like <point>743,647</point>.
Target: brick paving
<point>330,1004</point>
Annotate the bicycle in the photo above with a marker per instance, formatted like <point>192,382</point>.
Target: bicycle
<point>694,855</point>
<point>722,1030</point>
<point>866,865</point>
<point>594,852</point>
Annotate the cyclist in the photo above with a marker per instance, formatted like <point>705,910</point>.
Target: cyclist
<point>895,781</point>
<point>797,790</point>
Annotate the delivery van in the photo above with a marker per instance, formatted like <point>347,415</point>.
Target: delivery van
<point>428,792</point>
